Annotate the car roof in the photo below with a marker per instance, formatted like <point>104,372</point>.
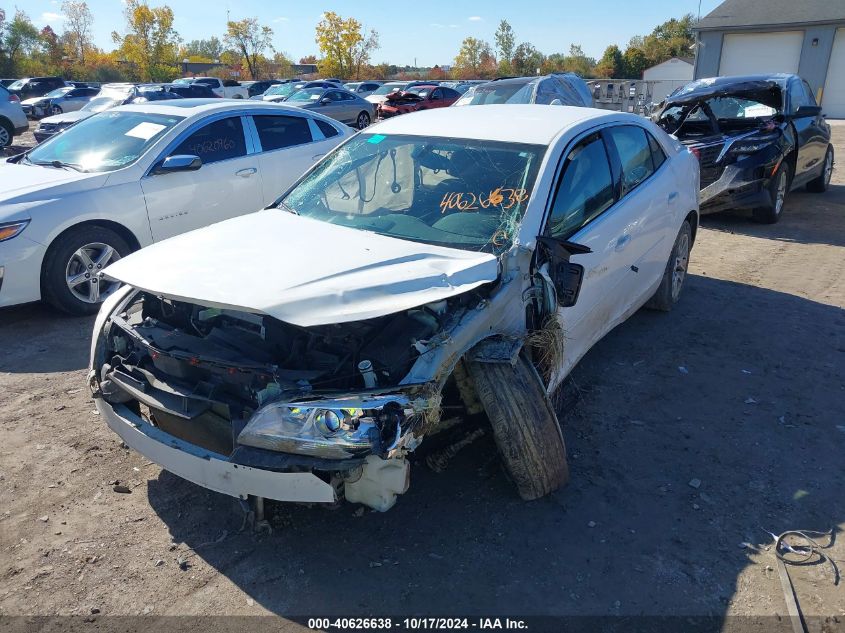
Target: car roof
<point>192,107</point>
<point>511,123</point>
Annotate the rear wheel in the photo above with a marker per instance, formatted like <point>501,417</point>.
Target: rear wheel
<point>6,134</point>
<point>778,188</point>
<point>669,291</point>
<point>820,184</point>
<point>56,110</point>
<point>525,426</point>
<point>363,120</point>
<point>70,280</point>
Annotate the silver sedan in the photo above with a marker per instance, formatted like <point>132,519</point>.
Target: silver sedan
<point>336,103</point>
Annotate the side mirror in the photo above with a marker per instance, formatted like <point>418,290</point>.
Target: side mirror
<point>178,162</point>
<point>807,111</point>
<point>556,102</point>
<point>566,276</point>
<point>325,101</point>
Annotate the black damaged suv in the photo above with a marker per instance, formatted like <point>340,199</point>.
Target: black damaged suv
<point>756,138</point>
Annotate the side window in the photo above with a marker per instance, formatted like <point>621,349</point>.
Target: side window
<point>332,95</point>
<point>658,156</point>
<point>585,191</point>
<point>346,96</point>
<point>797,97</point>
<point>437,95</point>
<point>545,92</point>
<point>327,129</point>
<point>277,132</point>
<point>809,96</point>
<point>634,154</point>
<point>219,140</point>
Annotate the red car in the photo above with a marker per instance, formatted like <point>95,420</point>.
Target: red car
<point>417,98</point>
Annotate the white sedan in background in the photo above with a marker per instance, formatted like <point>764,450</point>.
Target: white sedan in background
<point>137,174</point>
<point>461,259</point>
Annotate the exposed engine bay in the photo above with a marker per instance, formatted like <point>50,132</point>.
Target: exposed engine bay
<point>201,374</point>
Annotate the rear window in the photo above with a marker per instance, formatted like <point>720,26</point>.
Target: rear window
<point>278,132</point>
<point>327,129</point>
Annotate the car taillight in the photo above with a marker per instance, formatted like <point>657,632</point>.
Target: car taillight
<point>14,98</point>
<point>696,152</point>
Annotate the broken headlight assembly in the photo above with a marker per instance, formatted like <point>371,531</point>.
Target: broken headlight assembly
<point>336,429</point>
<point>752,144</point>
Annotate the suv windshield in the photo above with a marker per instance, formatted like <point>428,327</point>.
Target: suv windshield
<point>462,193</point>
<point>104,142</point>
<point>281,90</point>
<point>495,92</point>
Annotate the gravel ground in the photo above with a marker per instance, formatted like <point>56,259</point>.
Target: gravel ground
<point>688,434</point>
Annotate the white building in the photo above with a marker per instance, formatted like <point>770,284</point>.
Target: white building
<point>669,75</point>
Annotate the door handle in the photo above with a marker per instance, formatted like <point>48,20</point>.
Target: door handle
<point>622,242</point>
<point>673,196</point>
<point>246,173</point>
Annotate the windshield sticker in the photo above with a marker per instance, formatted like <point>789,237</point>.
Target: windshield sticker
<point>503,197</point>
<point>375,139</point>
<point>145,130</point>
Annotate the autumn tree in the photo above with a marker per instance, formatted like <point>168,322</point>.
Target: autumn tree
<point>21,39</point>
<point>150,43</point>
<point>505,44</point>
<point>612,63</point>
<point>308,59</point>
<point>78,23</point>
<point>474,59</point>
<point>342,45</point>
<point>362,50</point>
<point>635,63</point>
<point>251,40</point>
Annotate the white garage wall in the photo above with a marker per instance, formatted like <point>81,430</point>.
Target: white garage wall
<point>833,97</point>
<point>753,53</point>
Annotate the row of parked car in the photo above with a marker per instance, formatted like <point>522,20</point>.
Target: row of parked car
<point>285,303</point>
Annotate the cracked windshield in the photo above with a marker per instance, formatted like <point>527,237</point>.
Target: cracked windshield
<point>467,194</point>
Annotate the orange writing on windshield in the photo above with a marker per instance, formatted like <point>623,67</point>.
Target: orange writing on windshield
<point>503,197</point>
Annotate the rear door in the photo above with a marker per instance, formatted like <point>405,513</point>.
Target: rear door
<point>287,146</point>
<point>228,183</point>
<point>811,137</point>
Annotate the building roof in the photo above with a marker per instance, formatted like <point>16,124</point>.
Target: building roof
<point>738,14</point>
<point>686,60</point>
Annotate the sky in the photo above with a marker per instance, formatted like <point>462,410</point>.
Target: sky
<point>423,33</point>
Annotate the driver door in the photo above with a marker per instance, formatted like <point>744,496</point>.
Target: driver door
<point>227,185</point>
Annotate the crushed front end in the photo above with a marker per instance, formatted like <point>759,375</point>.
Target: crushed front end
<point>739,135</point>
<point>248,405</point>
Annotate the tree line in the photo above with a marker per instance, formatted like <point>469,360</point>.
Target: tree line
<point>148,48</point>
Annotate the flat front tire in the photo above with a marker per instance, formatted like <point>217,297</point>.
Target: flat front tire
<point>69,277</point>
<point>525,426</point>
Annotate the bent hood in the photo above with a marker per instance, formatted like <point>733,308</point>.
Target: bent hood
<point>302,271</point>
<point>766,91</point>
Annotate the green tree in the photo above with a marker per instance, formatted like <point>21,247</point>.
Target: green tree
<point>251,40</point>
<point>527,60</point>
<point>78,23</point>
<point>505,44</point>
<point>21,40</point>
<point>612,63</point>
<point>150,43</point>
<point>338,39</point>
<point>210,49</point>
<point>635,63</point>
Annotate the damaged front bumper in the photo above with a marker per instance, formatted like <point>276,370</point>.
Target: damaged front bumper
<point>208,469</point>
<point>737,188</point>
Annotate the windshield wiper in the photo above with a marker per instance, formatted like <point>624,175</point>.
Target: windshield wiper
<point>58,165</point>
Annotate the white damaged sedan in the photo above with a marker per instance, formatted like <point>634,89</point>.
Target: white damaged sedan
<point>455,260</point>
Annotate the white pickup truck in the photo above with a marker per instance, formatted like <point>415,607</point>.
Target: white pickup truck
<point>227,88</point>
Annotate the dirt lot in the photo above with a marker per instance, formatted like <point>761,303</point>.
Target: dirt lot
<point>742,387</point>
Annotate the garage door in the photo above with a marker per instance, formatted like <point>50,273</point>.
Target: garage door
<point>833,98</point>
<point>753,53</point>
